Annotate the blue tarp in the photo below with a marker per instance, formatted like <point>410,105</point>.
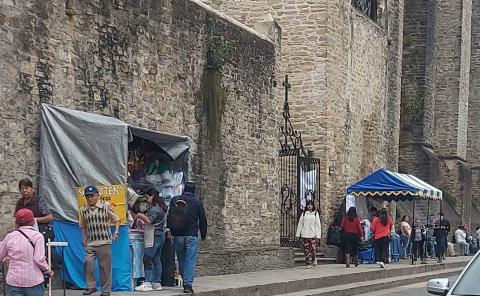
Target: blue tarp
<point>394,186</point>
<point>74,257</point>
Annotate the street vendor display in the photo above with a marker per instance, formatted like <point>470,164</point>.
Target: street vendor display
<point>391,186</point>
<point>80,148</point>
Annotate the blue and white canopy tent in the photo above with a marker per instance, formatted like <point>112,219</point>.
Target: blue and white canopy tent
<point>391,186</point>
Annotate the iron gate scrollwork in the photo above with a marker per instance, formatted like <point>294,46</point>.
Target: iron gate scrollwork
<point>299,177</point>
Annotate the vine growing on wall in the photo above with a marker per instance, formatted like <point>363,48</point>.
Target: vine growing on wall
<point>214,100</point>
<point>214,93</point>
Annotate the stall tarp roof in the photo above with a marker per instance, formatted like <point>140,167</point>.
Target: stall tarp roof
<point>394,186</point>
<point>172,145</point>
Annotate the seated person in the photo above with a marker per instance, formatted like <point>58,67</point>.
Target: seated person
<point>451,250</point>
<point>461,239</point>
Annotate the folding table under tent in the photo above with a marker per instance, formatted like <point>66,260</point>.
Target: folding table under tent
<point>392,186</point>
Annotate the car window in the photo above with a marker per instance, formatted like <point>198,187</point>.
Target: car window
<point>469,284</point>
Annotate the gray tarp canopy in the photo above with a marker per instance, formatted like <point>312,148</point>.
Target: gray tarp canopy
<point>79,148</point>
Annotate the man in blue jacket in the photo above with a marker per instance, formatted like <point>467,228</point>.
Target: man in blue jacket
<point>186,218</point>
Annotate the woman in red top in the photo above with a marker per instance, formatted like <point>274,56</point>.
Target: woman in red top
<point>382,227</point>
<point>352,235</point>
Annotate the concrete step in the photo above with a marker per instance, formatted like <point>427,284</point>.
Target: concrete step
<point>294,280</point>
<point>375,285</point>
<point>352,276</point>
<point>320,261</point>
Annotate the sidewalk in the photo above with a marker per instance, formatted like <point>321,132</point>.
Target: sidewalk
<point>258,283</point>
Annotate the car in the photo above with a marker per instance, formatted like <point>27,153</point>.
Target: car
<point>467,284</point>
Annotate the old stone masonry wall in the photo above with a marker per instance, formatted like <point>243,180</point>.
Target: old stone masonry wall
<point>345,72</point>
<point>153,64</point>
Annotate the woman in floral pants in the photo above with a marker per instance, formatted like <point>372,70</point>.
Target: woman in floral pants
<point>309,229</point>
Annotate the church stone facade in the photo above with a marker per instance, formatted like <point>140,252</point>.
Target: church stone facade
<point>398,90</point>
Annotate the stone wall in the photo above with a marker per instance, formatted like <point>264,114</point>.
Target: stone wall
<point>473,153</point>
<point>452,63</point>
<point>144,62</point>
<point>345,96</point>
<point>356,113</point>
<point>435,97</point>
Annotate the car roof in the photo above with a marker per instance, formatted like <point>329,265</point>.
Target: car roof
<point>452,288</point>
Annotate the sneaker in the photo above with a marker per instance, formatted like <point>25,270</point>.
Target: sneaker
<point>145,287</point>
<point>382,265</point>
<point>157,286</point>
<point>187,289</point>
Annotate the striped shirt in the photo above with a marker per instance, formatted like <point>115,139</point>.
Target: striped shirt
<point>27,266</point>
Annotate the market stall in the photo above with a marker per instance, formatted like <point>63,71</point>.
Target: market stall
<point>391,186</point>
<point>79,149</point>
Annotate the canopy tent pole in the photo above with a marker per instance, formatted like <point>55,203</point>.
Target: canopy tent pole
<point>412,234</point>
<point>428,225</point>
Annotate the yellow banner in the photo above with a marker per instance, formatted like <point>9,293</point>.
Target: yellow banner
<point>114,194</point>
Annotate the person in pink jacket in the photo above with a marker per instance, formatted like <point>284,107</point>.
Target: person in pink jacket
<point>24,252</point>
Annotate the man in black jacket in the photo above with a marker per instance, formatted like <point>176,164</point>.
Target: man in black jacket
<point>186,231</point>
<point>442,228</point>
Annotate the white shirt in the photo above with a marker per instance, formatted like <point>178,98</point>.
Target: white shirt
<point>478,233</point>
<point>309,225</point>
<point>460,236</point>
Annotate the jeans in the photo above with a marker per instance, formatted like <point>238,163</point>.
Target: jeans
<point>38,290</point>
<point>152,260</point>
<point>406,246</point>
<point>432,248</point>
<point>187,247</point>
<point>466,247</point>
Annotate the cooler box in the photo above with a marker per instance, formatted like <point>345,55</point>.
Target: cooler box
<point>367,256</point>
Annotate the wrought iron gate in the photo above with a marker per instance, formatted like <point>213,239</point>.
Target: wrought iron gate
<point>299,177</point>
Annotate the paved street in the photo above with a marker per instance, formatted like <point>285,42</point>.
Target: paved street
<point>418,289</point>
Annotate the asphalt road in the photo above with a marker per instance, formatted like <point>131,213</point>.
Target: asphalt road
<point>419,289</point>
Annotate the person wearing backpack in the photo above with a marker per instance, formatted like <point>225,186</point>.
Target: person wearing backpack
<point>310,230</point>
<point>24,252</point>
<point>155,216</point>
<point>186,217</point>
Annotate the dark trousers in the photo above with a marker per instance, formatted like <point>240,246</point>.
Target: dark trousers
<point>381,249</point>
<point>418,249</point>
<point>168,263</point>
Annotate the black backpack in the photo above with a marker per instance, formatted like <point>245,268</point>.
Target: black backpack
<point>179,216</point>
<point>334,235</point>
